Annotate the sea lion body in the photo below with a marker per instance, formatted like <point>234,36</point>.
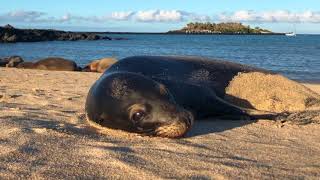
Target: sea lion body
<point>176,89</point>
<point>56,64</point>
<point>26,65</point>
<point>204,72</point>
<point>51,63</point>
<point>99,65</point>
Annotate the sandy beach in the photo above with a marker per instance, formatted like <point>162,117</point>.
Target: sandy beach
<point>44,135</point>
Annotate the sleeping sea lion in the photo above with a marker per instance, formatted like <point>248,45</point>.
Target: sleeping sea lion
<point>99,65</point>
<point>51,63</point>
<point>162,95</point>
<point>26,65</point>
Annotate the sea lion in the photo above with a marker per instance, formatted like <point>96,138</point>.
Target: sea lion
<point>51,63</point>
<point>99,65</point>
<point>26,65</point>
<point>162,95</point>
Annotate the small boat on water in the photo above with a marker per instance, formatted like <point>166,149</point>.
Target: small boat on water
<point>291,34</point>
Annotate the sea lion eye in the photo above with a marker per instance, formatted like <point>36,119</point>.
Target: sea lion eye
<point>137,116</point>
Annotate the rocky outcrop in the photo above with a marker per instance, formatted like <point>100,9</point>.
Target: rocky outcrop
<point>11,61</point>
<point>14,61</point>
<point>9,34</point>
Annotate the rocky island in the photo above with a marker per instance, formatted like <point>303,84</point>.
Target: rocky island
<point>221,28</point>
<point>9,34</point>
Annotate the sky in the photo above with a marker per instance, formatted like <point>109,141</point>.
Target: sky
<point>160,15</point>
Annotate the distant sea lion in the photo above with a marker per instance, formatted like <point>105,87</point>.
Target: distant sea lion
<point>161,96</point>
<point>51,63</point>
<point>99,65</point>
<point>26,65</point>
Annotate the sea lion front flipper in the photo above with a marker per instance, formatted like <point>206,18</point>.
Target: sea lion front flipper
<point>231,111</point>
<point>220,109</point>
<point>202,101</point>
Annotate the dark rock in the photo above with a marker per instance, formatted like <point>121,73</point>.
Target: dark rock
<point>14,61</point>
<point>8,26</point>
<point>11,39</point>
<point>9,34</point>
<point>11,61</point>
<point>3,62</point>
<point>106,38</point>
<point>120,38</point>
<point>93,37</point>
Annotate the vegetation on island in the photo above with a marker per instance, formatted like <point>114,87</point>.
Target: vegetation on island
<point>220,28</point>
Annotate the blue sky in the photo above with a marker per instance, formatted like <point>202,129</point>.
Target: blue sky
<point>160,15</point>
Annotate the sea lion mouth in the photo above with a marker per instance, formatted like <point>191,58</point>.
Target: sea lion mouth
<point>173,130</point>
<point>176,129</point>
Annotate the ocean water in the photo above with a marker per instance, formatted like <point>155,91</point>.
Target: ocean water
<point>295,57</point>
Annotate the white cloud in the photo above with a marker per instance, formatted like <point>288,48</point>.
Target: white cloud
<point>164,16</point>
<point>159,16</point>
<point>195,17</point>
<point>23,16</point>
<point>71,18</point>
<point>280,16</point>
<point>66,17</point>
<point>123,16</point>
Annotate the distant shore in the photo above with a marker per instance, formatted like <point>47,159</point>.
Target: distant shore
<point>10,34</point>
<point>183,33</point>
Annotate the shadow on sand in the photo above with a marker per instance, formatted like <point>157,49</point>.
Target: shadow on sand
<point>208,126</point>
<point>34,118</point>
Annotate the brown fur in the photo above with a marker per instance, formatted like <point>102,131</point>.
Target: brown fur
<point>51,63</point>
<point>26,65</point>
<point>100,65</point>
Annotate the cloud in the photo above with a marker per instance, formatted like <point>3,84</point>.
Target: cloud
<point>160,16</point>
<point>166,16</point>
<point>196,17</point>
<point>41,17</point>
<point>122,16</point>
<point>278,16</point>
<point>23,16</point>
<point>74,18</point>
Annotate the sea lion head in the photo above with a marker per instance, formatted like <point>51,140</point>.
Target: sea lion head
<point>135,103</point>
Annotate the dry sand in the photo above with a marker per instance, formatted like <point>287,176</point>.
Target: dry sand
<point>44,135</point>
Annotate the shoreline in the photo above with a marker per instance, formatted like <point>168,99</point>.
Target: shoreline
<point>311,82</point>
<point>172,33</point>
<point>302,81</point>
